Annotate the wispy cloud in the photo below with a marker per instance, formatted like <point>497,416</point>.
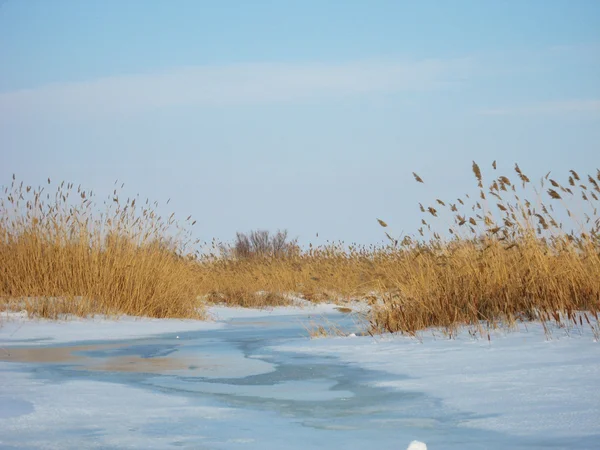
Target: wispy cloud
<point>233,84</point>
<point>547,108</point>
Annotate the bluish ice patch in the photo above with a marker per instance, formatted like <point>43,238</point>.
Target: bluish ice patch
<point>312,390</point>
<point>11,407</point>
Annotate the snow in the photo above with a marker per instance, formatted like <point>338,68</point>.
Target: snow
<point>15,330</point>
<point>225,313</point>
<point>47,413</point>
<point>518,382</point>
<point>253,379</point>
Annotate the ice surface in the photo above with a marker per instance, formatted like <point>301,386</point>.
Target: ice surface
<point>301,391</point>
<point>253,379</point>
<point>92,414</point>
<point>519,382</point>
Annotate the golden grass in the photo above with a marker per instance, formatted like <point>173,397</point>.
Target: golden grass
<point>58,255</point>
<point>513,260</point>
<point>503,258</point>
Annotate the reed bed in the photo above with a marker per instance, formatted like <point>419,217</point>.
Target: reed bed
<point>513,252</point>
<point>62,252</point>
<point>509,258</point>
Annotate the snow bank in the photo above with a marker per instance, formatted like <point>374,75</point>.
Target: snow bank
<point>225,313</point>
<point>15,330</point>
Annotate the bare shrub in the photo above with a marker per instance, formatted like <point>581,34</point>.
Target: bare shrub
<point>261,243</point>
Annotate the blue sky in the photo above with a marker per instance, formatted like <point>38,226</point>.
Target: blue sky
<point>307,115</point>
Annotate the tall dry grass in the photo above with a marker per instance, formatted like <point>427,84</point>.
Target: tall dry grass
<point>515,251</point>
<point>510,258</point>
<point>62,252</point>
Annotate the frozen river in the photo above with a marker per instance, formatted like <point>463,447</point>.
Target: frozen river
<point>256,381</point>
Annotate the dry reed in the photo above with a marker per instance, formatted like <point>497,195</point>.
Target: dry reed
<point>504,258</point>
<point>58,255</point>
<point>507,261</point>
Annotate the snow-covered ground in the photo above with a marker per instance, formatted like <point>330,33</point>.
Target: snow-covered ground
<point>17,329</point>
<point>253,379</point>
<point>224,313</point>
<point>520,382</point>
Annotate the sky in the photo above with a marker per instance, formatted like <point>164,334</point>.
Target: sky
<point>303,115</point>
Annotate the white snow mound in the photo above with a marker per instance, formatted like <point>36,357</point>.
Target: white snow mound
<point>417,445</point>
